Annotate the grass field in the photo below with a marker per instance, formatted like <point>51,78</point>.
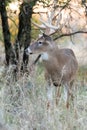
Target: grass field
<point>23,103</point>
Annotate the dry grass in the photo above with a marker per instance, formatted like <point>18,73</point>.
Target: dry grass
<point>23,104</point>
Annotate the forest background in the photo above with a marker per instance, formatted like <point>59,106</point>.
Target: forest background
<point>23,94</point>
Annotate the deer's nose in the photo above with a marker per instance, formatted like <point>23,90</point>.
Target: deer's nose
<point>28,51</point>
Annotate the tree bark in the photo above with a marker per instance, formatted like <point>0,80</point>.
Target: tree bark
<point>9,53</point>
<point>24,31</point>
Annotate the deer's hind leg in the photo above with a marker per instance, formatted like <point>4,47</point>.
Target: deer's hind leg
<point>58,94</point>
<point>49,89</point>
<point>66,94</point>
<point>71,90</point>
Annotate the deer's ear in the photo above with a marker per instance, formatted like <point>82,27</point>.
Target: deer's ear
<point>48,38</point>
<point>45,36</point>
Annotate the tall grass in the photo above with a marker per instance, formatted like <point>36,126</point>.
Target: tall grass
<point>24,103</point>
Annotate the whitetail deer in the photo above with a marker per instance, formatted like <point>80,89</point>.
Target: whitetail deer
<point>60,64</point>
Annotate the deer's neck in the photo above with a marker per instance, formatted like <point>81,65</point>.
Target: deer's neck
<point>50,53</point>
<point>45,56</point>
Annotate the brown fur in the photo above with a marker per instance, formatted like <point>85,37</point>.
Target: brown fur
<point>61,64</point>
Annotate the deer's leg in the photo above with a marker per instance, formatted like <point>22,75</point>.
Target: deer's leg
<point>58,94</point>
<point>72,92</point>
<point>66,94</point>
<point>50,92</point>
<point>49,89</point>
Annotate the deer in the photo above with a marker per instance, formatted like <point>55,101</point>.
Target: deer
<point>60,65</point>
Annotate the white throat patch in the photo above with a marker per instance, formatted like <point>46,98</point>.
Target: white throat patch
<point>45,56</point>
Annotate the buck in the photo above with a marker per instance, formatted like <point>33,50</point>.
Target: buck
<point>60,65</point>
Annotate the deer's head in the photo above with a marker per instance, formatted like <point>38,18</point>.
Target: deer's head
<point>43,44</point>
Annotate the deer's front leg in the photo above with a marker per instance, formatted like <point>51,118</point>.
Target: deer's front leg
<point>50,93</point>
<point>49,89</point>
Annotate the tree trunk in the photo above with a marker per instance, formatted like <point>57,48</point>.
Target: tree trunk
<point>9,53</point>
<point>24,31</point>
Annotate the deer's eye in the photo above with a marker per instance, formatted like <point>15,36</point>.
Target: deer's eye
<point>40,43</point>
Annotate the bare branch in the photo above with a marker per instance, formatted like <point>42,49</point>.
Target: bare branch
<point>65,35</point>
<point>63,7</point>
<point>36,59</point>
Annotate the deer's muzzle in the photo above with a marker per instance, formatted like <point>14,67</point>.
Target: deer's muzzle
<point>28,51</point>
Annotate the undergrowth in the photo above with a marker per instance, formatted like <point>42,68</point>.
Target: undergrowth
<point>24,103</point>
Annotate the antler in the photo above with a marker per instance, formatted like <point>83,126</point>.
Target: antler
<point>37,25</point>
<point>50,24</point>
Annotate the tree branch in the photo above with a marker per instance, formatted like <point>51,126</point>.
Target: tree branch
<point>70,34</point>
